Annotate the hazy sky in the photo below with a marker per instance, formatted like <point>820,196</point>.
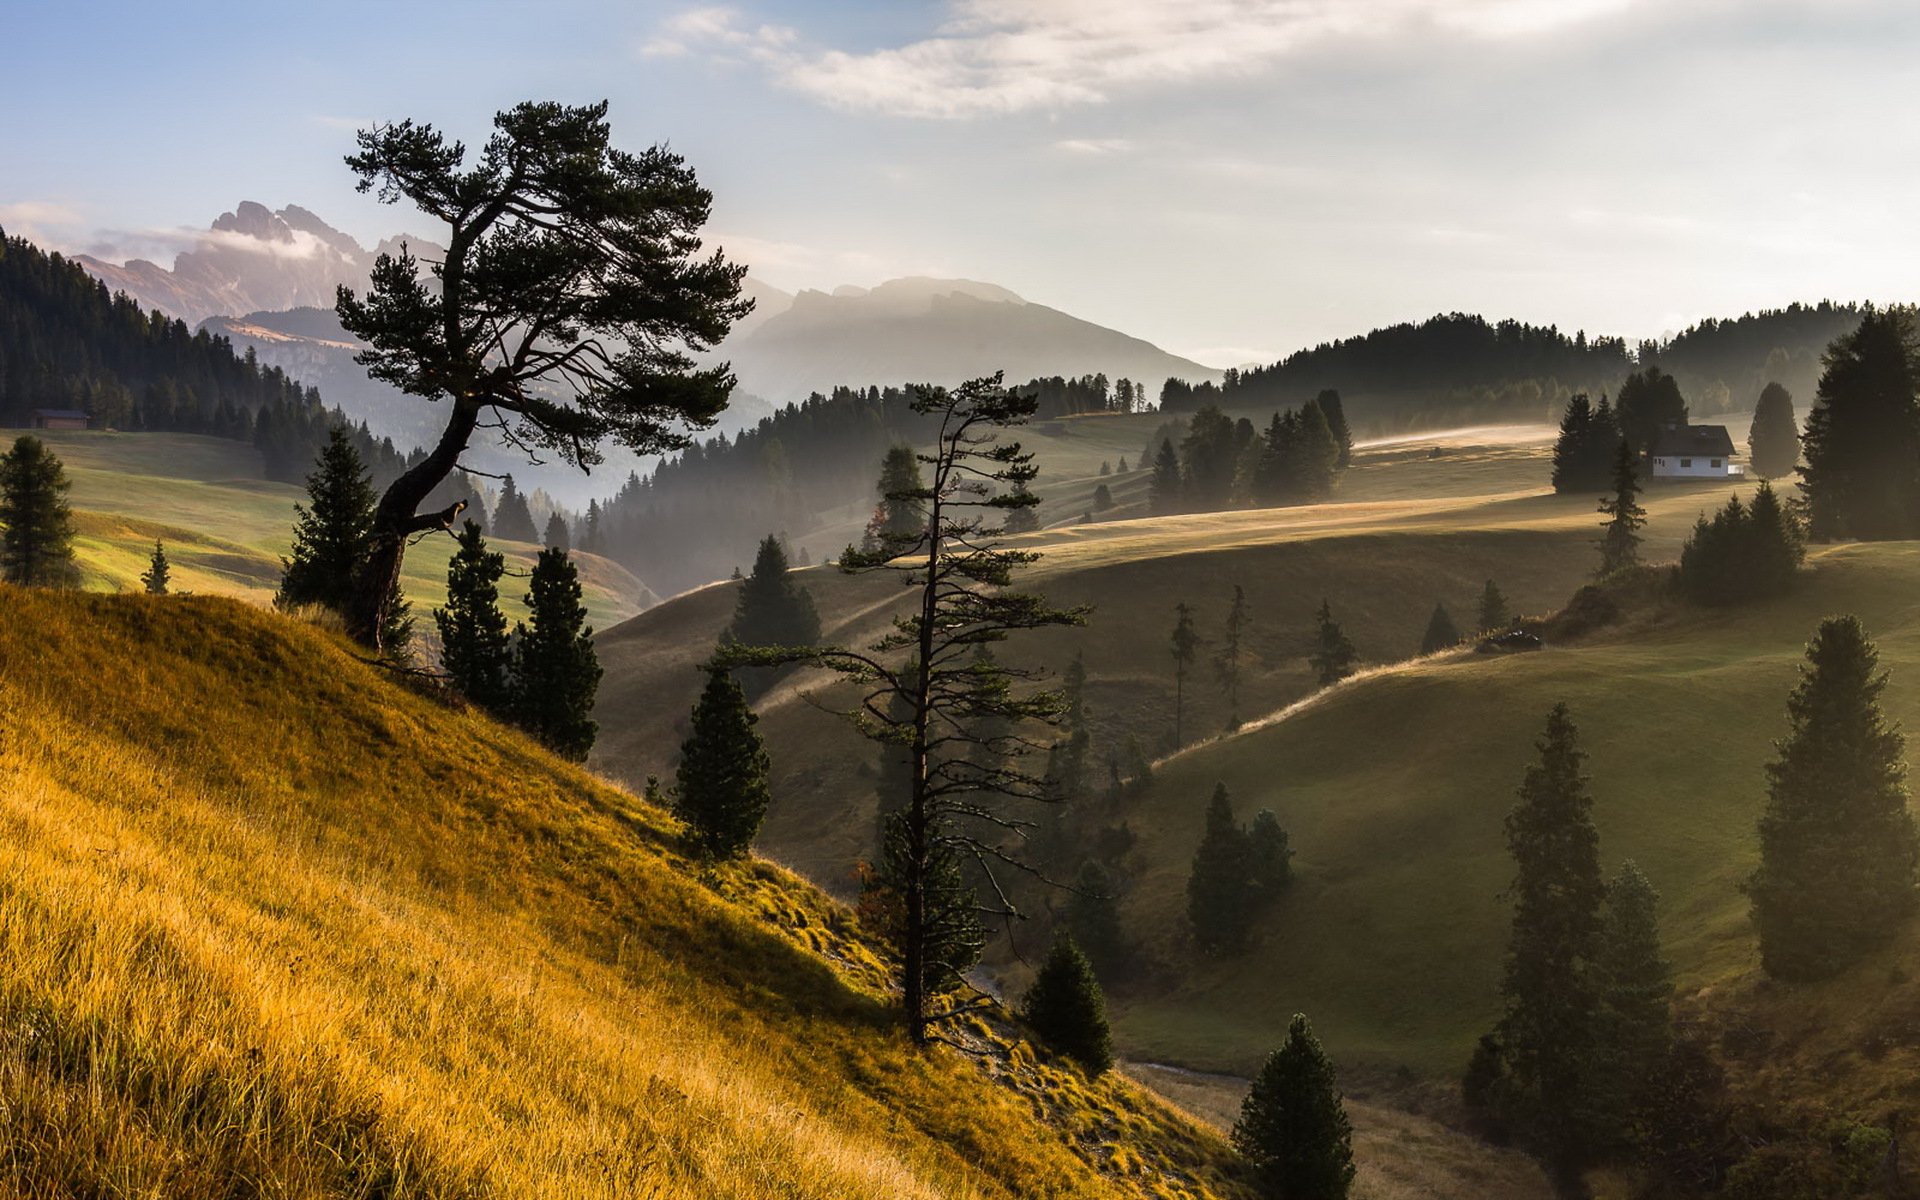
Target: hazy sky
<point>1229,178</point>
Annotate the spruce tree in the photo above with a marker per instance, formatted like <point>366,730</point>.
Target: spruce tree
<point>557,537</point>
<point>1837,846</point>
<point>512,519</point>
<point>903,512</point>
<point>1227,663</point>
<point>1441,634</point>
<point>1185,643</point>
<point>1493,615</point>
<point>474,650</point>
<point>1220,890</point>
<point>1636,991</point>
<point>771,609</point>
<point>723,792</point>
<point>1336,413</point>
<point>330,540</point>
<point>555,670</point>
<point>1620,543</point>
<point>36,527</point>
<point>1066,1008</point>
<point>1269,857</point>
<point>1549,1033</point>
<point>1333,657</point>
<point>1862,443</point>
<point>1102,498</point>
<point>594,540</point>
<point>1293,1128</point>
<point>1092,914</point>
<point>1773,440</point>
<point>1165,490</point>
<point>1648,402</point>
<point>1571,448</point>
<point>159,572</point>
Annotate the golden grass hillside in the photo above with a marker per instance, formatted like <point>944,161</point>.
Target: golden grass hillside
<point>273,925</point>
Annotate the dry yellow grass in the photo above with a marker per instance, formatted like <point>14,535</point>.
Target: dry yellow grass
<point>273,925</point>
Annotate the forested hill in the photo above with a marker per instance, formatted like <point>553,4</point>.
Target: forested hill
<point>1459,367</point>
<point>65,342</point>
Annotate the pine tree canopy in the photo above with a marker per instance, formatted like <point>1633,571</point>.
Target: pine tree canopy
<point>1220,887</point>
<point>36,529</point>
<point>1862,442</point>
<point>1293,1128</point>
<point>1620,542</point>
<point>1333,657</point>
<point>1066,1008</point>
<point>1441,633</point>
<point>474,650</point>
<point>771,609</point>
<point>1493,615</point>
<point>1837,843</point>
<point>158,573</point>
<point>723,768</point>
<point>1773,440</point>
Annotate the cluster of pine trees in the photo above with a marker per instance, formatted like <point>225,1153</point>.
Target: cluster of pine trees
<point>65,342</point>
<point>1862,443</point>
<point>1222,463</point>
<point>1584,452</point>
<point>1746,552</point>
<point>1236,872</point>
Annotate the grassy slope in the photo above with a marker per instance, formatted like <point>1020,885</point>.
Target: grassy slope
<point>406,953</point>
<point>226,528</point>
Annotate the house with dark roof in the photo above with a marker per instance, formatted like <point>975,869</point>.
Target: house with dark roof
<point>61,418</point>
<point>1694,452</point>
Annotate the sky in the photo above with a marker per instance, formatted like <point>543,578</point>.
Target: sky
<point>1231,179</point>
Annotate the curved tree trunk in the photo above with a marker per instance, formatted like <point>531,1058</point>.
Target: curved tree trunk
<point>396,519</point>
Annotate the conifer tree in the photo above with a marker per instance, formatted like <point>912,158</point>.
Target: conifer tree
<point>1102,498</point>
<point>1441,634</point>
<point>1620,543</point>
<point>595,539</point>
<point>1220,890</point>
<point>330,540</point>
<point>1067,1009</point>
<point>512,519</point>
<point>1336,414</point>
<point>1092,914</point>
<point>36,528</point>
<point>1576,429</point>
<point>1186,643</point>
<point>1165,490</point>
<point>1227,663</point>
<point>1837,844</point>
<point>1862,442</point>
<point>1635,1004</point>
<point>159,572</point>
<point>901,514</point>
<point>1648,402</point>
<point>1773,440</point>
<point>1334,657</point>
<point>557,537</point>
<point>555,670</point>
<point>1269,858</point>
<point>771,609</point>
<point>1493,614</point>
<point>1293,1128</point>
<point>474,650</point>
<point>1548,1037</point>
<point>723,768</point>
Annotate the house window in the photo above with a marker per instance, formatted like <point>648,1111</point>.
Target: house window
<point>1716,464</point>
<point>1686,462</point>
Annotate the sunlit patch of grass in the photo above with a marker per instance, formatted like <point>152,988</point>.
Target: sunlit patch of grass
<point>271,924</point>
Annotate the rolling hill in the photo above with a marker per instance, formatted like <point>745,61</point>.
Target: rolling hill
<point>445,964</point>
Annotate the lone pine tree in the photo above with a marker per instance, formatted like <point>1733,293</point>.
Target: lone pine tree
<point>1440,634</point>
<point>926,689</point>
<point>159,572</point>
<point>1293,1128</point>
<point>1620,540</point>
<point>555,670</point>
<point>1226,664</point>
<point>36,526</point>
<point>568,306</point>
<point>1493,614</point>
<point>1635,1038</point>
<point>1333,657</point>
<point>1066,1008</point>
<point>1837,845</point>
<point>723,768</point>
<point>474,650</point>
<point>1185,645</point>
<point>1165,489</point>
<point>1220,886</point>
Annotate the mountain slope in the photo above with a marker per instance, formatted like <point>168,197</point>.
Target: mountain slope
<point>276,925</point>
<point>933,331</point>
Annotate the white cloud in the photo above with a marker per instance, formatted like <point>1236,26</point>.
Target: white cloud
<point>42,222</point>
<point>995,57</point>
<point>1093,147</point>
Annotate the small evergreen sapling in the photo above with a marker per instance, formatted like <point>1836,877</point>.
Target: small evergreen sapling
<point>1066,1008</point>
<point>159,572</point>
<point>722,776</point>
<point>1293,1128</point>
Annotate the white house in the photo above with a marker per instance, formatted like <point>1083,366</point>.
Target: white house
<point>1694,452</point>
